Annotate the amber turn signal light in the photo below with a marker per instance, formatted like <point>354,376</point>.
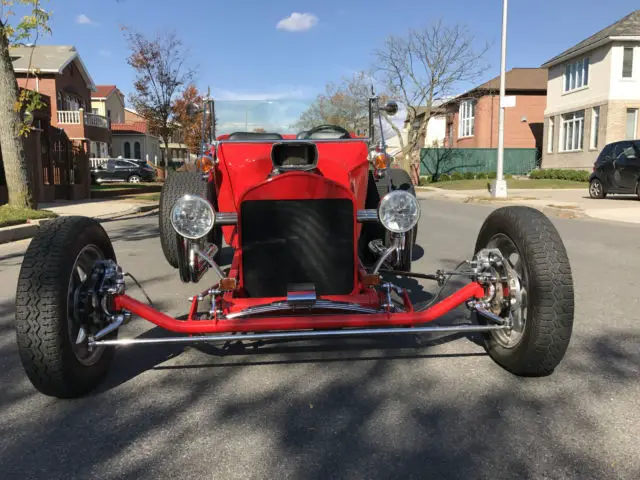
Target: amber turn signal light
<point>371,280</point>
<point>228,284</point>
<point>381,161</point>
<point>204,164</point>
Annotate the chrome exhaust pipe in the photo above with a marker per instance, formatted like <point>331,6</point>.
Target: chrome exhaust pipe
<point>308,334</point>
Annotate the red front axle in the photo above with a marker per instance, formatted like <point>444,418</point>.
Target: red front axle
<point>306,322</point>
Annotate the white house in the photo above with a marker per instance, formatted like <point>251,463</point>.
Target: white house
<point>593,95</point>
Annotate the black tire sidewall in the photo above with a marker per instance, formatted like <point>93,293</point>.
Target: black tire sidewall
<point>46,287</point>
<point>546,334</point>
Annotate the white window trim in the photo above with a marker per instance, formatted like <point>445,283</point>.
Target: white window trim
<point>550,133</point>
<point>635,123</point>
<point>592,143</point>
<point>575,121</point>
<point>469,121</point>
<point>633,55</point>
<point>584,85</point>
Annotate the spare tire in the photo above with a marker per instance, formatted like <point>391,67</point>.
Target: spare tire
<point>177,185</point>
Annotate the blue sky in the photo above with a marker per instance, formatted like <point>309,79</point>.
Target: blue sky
<point>242,54</point>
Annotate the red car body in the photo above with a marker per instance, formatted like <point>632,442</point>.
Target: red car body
<point>242,173</point>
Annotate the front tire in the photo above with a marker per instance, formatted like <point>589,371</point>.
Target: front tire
<point>531,243</point>
<point>57,258</point>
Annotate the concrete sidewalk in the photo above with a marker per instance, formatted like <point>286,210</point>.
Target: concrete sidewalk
<point>101,210</point>
<point>567,203</point>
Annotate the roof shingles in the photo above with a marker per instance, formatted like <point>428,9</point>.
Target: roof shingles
<point>626,26</point>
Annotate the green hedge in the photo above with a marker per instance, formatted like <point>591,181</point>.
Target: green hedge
<point>560,174</point>
<point>445,177</point>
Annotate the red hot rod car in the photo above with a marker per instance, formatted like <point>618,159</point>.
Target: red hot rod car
<point>320,227</point>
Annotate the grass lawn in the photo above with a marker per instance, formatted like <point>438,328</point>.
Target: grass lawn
<point>120,186</point>
<point>481,184</point>
<point>16,216</point>
<point>153,196</point>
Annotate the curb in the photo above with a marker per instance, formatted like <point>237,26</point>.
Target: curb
<point>28,230</point>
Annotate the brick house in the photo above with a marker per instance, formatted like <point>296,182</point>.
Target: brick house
<point>593,95</point>
<point>59,73</point>
<point>472,117</point>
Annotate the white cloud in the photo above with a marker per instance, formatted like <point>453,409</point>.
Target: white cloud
<point>105,53</point>
<point>82,19</point>
<point>298,22</point>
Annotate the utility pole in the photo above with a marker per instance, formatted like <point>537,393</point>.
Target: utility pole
<point>499,187</point>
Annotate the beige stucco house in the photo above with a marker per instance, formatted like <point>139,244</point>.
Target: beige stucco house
<point>106,101</point>
<point>593,95</point>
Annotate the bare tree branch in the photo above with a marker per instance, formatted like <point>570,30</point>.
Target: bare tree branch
<point>426,66</point>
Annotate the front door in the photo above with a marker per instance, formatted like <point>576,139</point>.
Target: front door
<point>626,167</point>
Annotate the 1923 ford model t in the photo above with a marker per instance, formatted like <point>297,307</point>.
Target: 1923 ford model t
<point>320,225</point>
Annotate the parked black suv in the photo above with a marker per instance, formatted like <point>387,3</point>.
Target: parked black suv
<point>120,170</point>
<point>617,170</point>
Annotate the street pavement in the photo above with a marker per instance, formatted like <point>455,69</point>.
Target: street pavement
<point>349,409</point>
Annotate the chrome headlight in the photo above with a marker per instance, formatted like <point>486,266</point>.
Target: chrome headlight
<point>399,211</point>
<point>192,217</point>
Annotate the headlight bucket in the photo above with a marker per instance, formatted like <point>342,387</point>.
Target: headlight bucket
<point>399,211</point>
<point>192,216</point>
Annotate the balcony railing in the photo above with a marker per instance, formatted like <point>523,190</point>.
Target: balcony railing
<point>68,117</point>
<point>73,117</point>
<point>95,120</point>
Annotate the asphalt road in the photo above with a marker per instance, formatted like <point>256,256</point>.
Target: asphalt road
<point>380,408</point>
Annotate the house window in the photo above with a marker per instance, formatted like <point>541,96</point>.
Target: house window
<point>572,132</point>
<point>595,126</point>
<point>627,62</point>
<point>632,123</point>
<point>550,135</point>
<point>127,150</point>
<point>576,74</point>
<point>467,118</point>
<point>137,151</point>
<point>95,111</point>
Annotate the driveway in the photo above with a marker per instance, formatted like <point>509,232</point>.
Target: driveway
<point>349,409</point>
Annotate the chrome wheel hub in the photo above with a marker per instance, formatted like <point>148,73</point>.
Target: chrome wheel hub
<point>512,284</point>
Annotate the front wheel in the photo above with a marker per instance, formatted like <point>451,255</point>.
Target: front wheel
<point>596,189</point>
<point>540,335</point>
<point>58,262</point>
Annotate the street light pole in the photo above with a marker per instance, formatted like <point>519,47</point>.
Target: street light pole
<point>499,189</point>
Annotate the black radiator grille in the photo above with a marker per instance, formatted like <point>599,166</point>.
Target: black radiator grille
<point>297,241</point>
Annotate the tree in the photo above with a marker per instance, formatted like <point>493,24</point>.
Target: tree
<point>191,125</point>
<point>16,105</point>
<point>161,76</point>
<point>426,66</point>
<point>345,104</point>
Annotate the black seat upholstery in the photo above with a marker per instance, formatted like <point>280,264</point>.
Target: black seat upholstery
<point>254,136</point>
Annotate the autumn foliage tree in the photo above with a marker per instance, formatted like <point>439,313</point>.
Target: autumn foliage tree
<point>161,75</point>
<point>15,105</point>
<point>191,125</point>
